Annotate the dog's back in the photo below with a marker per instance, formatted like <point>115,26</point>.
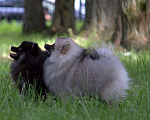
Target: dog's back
<point>105,76</point>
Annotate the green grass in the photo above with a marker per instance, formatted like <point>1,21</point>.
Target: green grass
<point>15,107</point>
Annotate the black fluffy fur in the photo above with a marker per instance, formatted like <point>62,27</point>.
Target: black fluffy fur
<point>91,53</point>
<point>27,67</point>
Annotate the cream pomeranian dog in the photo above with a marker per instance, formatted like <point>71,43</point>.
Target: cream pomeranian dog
<point>73,70</point>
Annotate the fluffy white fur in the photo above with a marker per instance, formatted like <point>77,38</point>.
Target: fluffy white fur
<point>72,72</point>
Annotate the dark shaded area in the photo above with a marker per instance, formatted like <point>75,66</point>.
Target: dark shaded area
<point>64,17</point>
<point>34,20</point>
<point>27,68</point>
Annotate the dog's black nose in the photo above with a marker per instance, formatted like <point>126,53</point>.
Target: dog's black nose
<point>14,49</point>
<point>47,46</point>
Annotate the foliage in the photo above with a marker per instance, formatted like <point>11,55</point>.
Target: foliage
<point>14,106</point>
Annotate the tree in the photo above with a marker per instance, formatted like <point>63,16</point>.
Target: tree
<point>34,20</point>
<point>100,16</point>
<point>121,26</point>
<point>122,21</point>
<point>148,15</point>
<point>64,17</point>
<point>131,24</point>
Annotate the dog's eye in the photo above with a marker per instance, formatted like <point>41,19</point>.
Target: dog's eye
<point>20,49</point>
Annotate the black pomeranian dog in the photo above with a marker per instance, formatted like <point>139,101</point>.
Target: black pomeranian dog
<point>27,67</point>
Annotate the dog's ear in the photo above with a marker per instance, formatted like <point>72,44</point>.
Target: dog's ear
<point>65,47</point>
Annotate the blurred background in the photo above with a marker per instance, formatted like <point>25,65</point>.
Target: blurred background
<point>14,9</point>
<point>125,23</point>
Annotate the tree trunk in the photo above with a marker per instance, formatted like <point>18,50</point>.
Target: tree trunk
<point>80,13</point>
<point>34,20</point>
<point>122,21</point>
<point>131,26</point>
<point>100,16</point>
<point>121,26</point>
<point>64,17</point>
<point>148,15</point>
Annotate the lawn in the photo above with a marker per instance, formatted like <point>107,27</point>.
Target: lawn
<point>15,107</point>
